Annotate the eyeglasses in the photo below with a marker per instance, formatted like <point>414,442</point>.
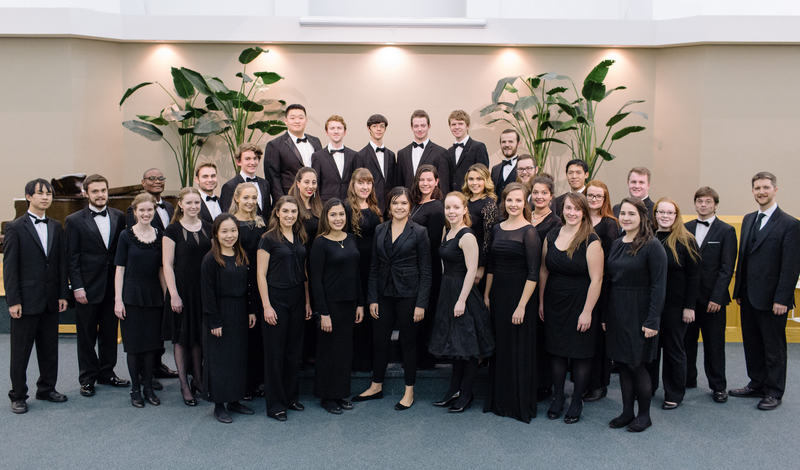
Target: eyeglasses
<point>526,170</point>
<point>156,178</point>
<point>595,197</point>
<point>670,213</point>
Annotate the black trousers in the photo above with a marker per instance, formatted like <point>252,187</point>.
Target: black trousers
<point>282,348</point>
<point>712,326</point>
<point>764,341</point>
<point>600,375</point>
<point>96,324</point>
<point>41,329</point>
<point>670,345</point>
<point>335,352</point>
<point>395,311</point>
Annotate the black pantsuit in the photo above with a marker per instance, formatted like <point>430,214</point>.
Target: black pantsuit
<point>764,340</point>
<point>283,345</point>
<point>395,312</point>
<point>335,352</point>
<point>713,327</point>
<point>41,329</point>
<point>96,324</point>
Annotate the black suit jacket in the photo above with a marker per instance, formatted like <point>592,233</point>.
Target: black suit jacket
<point>205,214</point>
<point>226,195</point>
<point>329,183</point>
<point>497,179</point>
<point>717,263</point>
<point>32,279</point>
<point>409,263</point>
<point>773,261</point>
<point>648,202</point>
<point>367,158</point>
<point>130,220</point>
<point>431,155</point>
<point>282,161</point>
<point>91,264</point>
<point>474,152</point>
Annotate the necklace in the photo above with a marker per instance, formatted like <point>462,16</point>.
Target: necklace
<point>341,243</point>
<point>533,215</point>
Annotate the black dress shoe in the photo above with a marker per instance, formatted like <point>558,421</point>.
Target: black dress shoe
<point>669,405</point>
<point>639,425</point>
<point>114,382</point>
<point>297,407</point>
<point>620,421</point>
<point>595,394</point>
<point>461,409</point>
<point>223,416</point>
<point>401,407</point>
<point>247,398</point>
<point>331,407</point>
<point>280,416</point>
<point>447,402</point>
<point>746,392</point>
<point>237,407</point>
<point>151,397</point>
<point>374,396</point>
<point>19,407</point>
<point>555,410</point>
<point>769,403</point>
<point>87,390</point>
<point>136,399</point>
<point>257,393</point>
<point>571,419</point>
<point>720,396</point>
<point>164,372</point>
<point>344,404</point>
<point>191,402</point>
<point>53,397</point>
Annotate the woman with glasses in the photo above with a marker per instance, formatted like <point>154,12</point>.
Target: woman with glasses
<point>483,213</point>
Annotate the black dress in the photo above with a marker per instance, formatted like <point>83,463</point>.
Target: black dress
<point>249,237</point>
<point>469,335</point>
<point>545,379</point>
<point>141,292</point>
<point>564,298</point>
<point>224,291</point>
<point>608,231</point>
<point>635,299</point>
<point>310,328</point>
<point>550,222</point>
<point>337,291</point>
<point>431,216</point>
<point>514,259</point>
<point>362,334</point>
<point>484,214</point>
<point>186,328</point>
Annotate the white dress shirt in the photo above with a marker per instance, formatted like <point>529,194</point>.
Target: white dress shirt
<point>701,230</point>
<point>380,157</point>
<point>416,154</point>
<point>41,230</point>
<point>103,223</point>
<point>258,190</point>
<point>507,168</point>
<point>162,213</point>
<point>212,206</point>
<point>338,158</point>
<point>305,149</point>
<point>460,150</point>
<point>767,214</point>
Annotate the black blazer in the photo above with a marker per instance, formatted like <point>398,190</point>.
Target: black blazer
<point>226,195</point>
<point>497,179</point>
<point>366,158</point>
<point>474,152</point>
<point>409,264</point>
<point>329,183</point>
<point>282,160</point>
<point>717,262</point>
<point>205,214</point>
<point>32,279</point>
<point>91,264</point>
<point>648,202</point>
<point>130,220</point>
<point>432,154</point>
<point>773,261</point>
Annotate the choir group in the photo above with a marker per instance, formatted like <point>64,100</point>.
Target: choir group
<point>318,262</point>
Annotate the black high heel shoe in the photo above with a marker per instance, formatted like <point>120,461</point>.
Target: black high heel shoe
<point>194,388</point>
<point>151,397</point>
<point>447,401</point>
<point>454,409</point>
<point>555,410</point>
<point>136,399</point>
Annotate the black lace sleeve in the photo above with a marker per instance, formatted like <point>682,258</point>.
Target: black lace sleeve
<point>533,253</point>
<point>491,217</point>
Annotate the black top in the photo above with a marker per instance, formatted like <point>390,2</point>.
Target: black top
<point>220,282</point>
<point>516,251</point>
<point>142,261</point>
<point>287,260</point>
<point>608,231</point>
<point>431,216</point>
<point>484,215</point>
<point>550,222</point>
<point>335,275</point>
<point>249,237</point>
<point>404,264</point>
<point>683,275</point>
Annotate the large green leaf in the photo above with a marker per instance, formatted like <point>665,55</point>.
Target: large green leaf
<point>526,102</point>
<point>490,109</point>
<point>598,74</point>
<point>272,127</point>
<point>616,118</point>
<point>245,78</point>
<point>130,91</point>
<point>558,89</point>
<point>593,91</point>
<point>498,120</point>
<point>197,80</point>
<point>195,112</point>
<point>248,55</point>
<point>569,109</point>
<point>186,130</point>
<point>553,76</point>
<point>216,85</point>
<point>211,105</point>
<point>615,89</point>
<point>231,95</point>
<point>625,131</point>
<point>628,104</point>
<point>501,85</point>
<point>268,77</point>
<point>249,106</point>
<point>549,139</point>
<point>144,129</point>
<point>534,82</point>
<point>208,124</point>
<point>604,154</point>
<point>183,86</point>
<point>157,120</point>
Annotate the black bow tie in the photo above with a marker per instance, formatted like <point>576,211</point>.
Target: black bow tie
<point>458,145</point>
<point>211,198</point>
<point>300,141</point>
<point>507,162</point>
<point>40,221</point>
<point>251,180</point>
<point>161,205</point>
<point>415,145</point>
<point>704,222</point>
<point>102,213</point>
<point>380,149</point>
<point>332,151</point>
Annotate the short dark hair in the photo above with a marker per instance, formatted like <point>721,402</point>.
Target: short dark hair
<point>706,191</point>
<point>32,186</point>
<point>509,131</point>
<point>295,106</point>
<point>765,175</point>
<point>144,175</point>
<point>94,179</point>
<point>420,113</point>
<point>580,163</point>
<point>377,119</point>
<point>205,164</point>
<point>396,192</point>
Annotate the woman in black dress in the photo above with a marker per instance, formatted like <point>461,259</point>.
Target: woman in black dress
<point>683,286</point>
<point>513,272</point>
<point>284,298</point>
<point>399,288</point>
<point>607,229</point>
<point>336,282</point>
<point>226,319</point>
<point>428,211</point>
<point>463,331</point>
<point>251,227</point>
<point>186,241</point>
<point>363,221</point>
<point>570,280</point>
<point>139,297</point>
<point>636,270</point>
<point>483,213</point>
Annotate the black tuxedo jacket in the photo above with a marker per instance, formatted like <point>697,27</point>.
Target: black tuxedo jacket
<point>717,262</point>
<point>130,220</point>
<point>408,264</point>
<point>205,214</point>
<point>329,183</point>
<point>497,179</point>
<point>648,202</point>
<point>367,158</point>
<point>773,261</point>
<point>282,161</point>
<point>91,264</point>
<point>226,195</point>
<point>32,279</point>
<point>431,155</point>
<point>474,152</point>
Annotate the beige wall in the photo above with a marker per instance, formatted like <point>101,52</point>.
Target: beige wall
<point>717,114</point>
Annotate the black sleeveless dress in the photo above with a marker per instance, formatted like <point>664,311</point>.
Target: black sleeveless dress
<point>469,335</point>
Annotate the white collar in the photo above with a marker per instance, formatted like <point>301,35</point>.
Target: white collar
<point>331,147</point>
<point>245,176</point>
<point>96,209</point>
<point>374,145</point>
<point>710,220</point>
<point>424,142</point>
<point>464,141</point>
<point>769,211</point>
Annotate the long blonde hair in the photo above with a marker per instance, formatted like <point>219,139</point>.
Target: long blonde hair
<point>178,214</point>
<point>237,193</point>
<point>360,175</point>
<point>678,233</point>
<point>466,220</point>
<point>488,184</point>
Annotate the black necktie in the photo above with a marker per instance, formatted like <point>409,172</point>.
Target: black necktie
<point>704,222</point>
<point>458,145</point>
<point>41,221</point>
<point>380,149</point>
<point>161,205</point>
<point>300,141</point>
<point>211,198</point>
<point>102,213</point>
<point>756,227</point>
<point>415,145</point>
<point>332,151</point>
<point>251,180</point>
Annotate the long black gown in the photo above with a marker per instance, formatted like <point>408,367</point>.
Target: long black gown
<point>310,326</point>
<point>249,236</point>
<point>431,216</point>
<point>224,290</point>
<point>514,259</point>
<point>469,335</point>
<point>362,334</point>
<point>545,379</point>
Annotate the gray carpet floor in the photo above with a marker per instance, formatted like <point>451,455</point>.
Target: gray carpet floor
<point>105,432</point>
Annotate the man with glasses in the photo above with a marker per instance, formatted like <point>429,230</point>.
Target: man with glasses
<point>505,172</point>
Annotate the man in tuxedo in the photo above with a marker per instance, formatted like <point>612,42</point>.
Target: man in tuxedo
<point>717,242</point>
<point>577,171</point>
<point>766,275</point>
<point>379,160</point>
<point>465,152</point>
<point>639,187</point>
<point>505,172</point>
<point>248,156</point>
<point>206,176</point>
<point>92,235</point>
<point>420,152</point>
<point>285,155</point>
<point>35,276</point>
<point>335,163</point>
